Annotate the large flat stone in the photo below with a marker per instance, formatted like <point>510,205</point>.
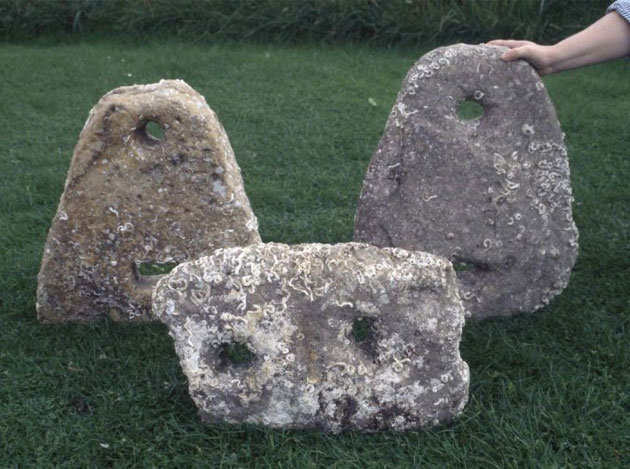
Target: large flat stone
<point>132,199</point>
<point>337,337</point>
<point>492,193</point>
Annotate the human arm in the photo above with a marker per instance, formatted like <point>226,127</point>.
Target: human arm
<point>606,39</point>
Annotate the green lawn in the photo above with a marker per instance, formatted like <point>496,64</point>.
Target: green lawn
<point>547,390</point>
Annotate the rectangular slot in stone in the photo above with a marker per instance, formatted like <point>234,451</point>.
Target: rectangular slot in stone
<point>155,268</point>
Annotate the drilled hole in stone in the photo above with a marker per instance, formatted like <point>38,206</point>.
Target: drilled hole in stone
<point>154,130</point>
<point>235,354</point>
<point>155,268</point>
<point>469,110</point>
<point>362,329</point>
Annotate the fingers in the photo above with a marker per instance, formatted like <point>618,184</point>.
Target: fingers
<point>538,56</point>
<point>517,49</point>
<point>511,43</point>
<point>517,53</point>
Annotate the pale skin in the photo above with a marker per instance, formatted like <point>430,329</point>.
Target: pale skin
<point>606,39</point>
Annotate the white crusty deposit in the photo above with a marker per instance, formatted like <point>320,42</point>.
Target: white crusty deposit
<point>347,336</point>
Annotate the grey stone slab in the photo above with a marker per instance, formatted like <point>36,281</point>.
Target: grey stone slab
<point>346,336</point>
<point>131,198</point>
<point>491,193</point>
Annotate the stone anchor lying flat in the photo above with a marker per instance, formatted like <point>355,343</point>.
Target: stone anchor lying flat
<point>337,337</point>
<point>492,194</point>
<point>131,199</point>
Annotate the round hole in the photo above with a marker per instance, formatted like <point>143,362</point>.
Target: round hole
<point>235,354</point>
<point>362,329</point>
<point>469,110</point>
<point>154,130</point>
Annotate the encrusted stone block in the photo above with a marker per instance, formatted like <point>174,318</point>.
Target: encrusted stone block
<point>132,199</point>
<point>491,193</point>
<point>337,337</point>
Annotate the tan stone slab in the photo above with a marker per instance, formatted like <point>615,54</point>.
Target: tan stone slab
<point>131,198</point>
<point>348,336</point>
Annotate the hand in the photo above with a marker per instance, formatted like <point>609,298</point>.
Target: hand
<point>540,57</point>
<point>606,39</point>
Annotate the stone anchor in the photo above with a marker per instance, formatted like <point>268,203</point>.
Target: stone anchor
<point>131,199</point>
<point>492,194</point>
<point>348,336</point>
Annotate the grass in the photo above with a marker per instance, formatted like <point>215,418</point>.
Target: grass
<point>550,389</point>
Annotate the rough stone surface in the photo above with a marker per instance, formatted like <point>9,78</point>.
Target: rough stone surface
<point>492,194</point>
<point>131,198</point>
<point>297,309</point>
